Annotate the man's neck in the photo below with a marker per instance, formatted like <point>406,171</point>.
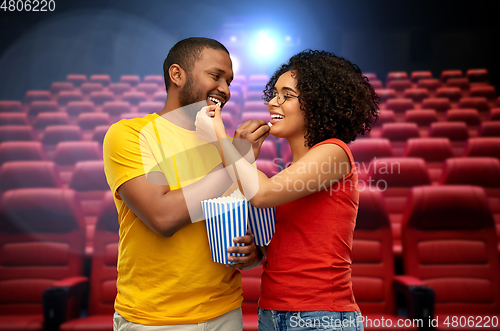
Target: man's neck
<point>183,117</point>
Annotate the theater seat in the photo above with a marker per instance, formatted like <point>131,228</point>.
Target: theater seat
<point>451,93</point>
<point>88,121</point>
<point>119,88</point>
<point>57,87</point>
<point>54,134</point>
<point>385,94</point>
<point>479,103</point>
<point>416,94</point>
<point>10,106</point>
<point>478,76</point>
<point>37,96</point>
<point>105,80</point>
<point>89,181</point>
<point>484,172</point>
<point>431,84</point>
<point>150,107</point>
<point>13,119</point>
<point>155,79</point>
<point>365,150</point>
<point>133,80</point>
<point>395,177</point>
<point>134,97</point>
<point>250,284</point>
<point>440,105</point>
<point>255,115</point>
<point>104,273</point>
<point>16,133</point>
<point>38,107</point>
<point>399,86</point>
<point>67,154</point>
<point>398,134</point>
<point>42,242</point>
<point>45,119</point>
<point>416,76</point>
<point>479,147</point>
<point>447,74</point>
<point>373,262</point>
<point>76,79</point>
<point>74,108</point>
<point>28,174</point>
<point>422,117</point>
<point>21,151</point>
<point>100,97</point>
<point>88,88</point>
<point>459,82</point>
<point>65,97</point>
<point>268,150</point>
<point>456,132</point>
<point>489,129</point>
<point>434,151</point>
<point>254,106</point>
<point>160,96</point>
<point>116,108</point>
<point>99,133</point>
<point>488,92</point>
<point>399,105</point>
<point>450,244</point>
<point>148,88</point>
<point>494,114</point>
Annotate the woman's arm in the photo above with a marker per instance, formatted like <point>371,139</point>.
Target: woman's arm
<point>317,170</point>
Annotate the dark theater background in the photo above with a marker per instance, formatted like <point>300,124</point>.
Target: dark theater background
<point>426,246</point>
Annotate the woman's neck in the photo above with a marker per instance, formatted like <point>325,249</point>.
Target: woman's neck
<point>297,147</point>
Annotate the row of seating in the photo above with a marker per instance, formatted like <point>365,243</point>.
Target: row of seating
<point>446,231</point>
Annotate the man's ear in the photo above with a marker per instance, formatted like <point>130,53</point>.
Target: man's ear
<point>177,75</point>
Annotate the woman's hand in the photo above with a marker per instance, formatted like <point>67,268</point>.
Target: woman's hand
<point>209,125</point>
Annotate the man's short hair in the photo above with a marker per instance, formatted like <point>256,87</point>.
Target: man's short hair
<point>186,52</point>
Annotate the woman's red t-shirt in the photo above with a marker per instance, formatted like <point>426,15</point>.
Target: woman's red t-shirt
<point>309,258</point>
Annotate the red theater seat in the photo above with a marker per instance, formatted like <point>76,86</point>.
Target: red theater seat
<point>160,96</point>
<point>57,87</point>
<point>10,106</point>
<point>150,107</point>
<point>484,91</point>
<point>396,75</point>
<point>399,85</point>
<point>416,94</point>
<point>479,147</point>
<point>88,121</point>
<point>119,88</point>
<point>451,93</point>
<point>365,150</point>
<point>105,80</point>
<point>42,240</point>
<point>256,115</point>
<point>479,103</point>
<point>67,154</point>
<point>54,134</point>
<point>38,107</point>
<point>385,95</point>
<point>147,88</point>
<point>456,132</point>
<point>254,106</point>
<point>99,133</point>
<point>450,244</point>
<point>155,79</point>
<point>431,84</point>
<point>370,75</point>
<point>447,74</point>
<point>268,151</point>
<point>416,76</point>
<point>89,181</point>
<point>130,79</point>
<point>67,96</point>
<point>433,150</point>
<point>373,262</point>
<point>74,108</point>
<point>37,96</point>
<point>398,134</point>
<point>489,129</point>
<point>468,116</point>
<point>134,97</point>
<point>478,76</point>
<point>104,273</point>
<point>16,133</point>
<point>28,174</point>
<point>13,119</point>
<point>385,116</point>
<point>494,114</point>
<point>421,117</point>
<point>440,105</point>
<point>395,177</point>
<point>76,79</point>
<point>461,83</point>
<point>254,96</point>
<point>399,105</point>
<point>478,171</point>
<point>21,151</point>
<point>250,284</point>
<point>88,88</point>
<point>45,119</point>
<point>100,97</point>
<point>116,108</point>
<point>376,84</point>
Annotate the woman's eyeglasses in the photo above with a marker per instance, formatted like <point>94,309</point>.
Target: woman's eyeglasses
<point>282,96</point>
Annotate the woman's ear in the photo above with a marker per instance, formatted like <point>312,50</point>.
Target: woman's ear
<point>177,75</point>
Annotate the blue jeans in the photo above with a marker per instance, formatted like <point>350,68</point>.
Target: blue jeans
<point>272,320</point>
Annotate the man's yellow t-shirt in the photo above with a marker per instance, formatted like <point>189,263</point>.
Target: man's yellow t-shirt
<point>165,281</point>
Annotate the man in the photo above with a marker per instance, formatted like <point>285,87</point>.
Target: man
<point>160,171</point>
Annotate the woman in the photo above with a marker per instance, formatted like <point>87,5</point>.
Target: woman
<point>318,102</point>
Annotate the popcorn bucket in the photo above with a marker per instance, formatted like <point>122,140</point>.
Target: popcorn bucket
<point>229,217</point>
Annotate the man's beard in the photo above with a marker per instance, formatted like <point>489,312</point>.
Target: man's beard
<point>190,99</point>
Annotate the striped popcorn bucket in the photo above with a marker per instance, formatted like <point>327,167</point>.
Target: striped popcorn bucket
<point>261,222</point>
<point>225,218</point>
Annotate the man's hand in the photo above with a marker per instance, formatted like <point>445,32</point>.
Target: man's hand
<point>252,257</point>
<point>252,134</point>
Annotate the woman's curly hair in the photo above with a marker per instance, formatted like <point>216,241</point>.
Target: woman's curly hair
<point>336,99</point>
